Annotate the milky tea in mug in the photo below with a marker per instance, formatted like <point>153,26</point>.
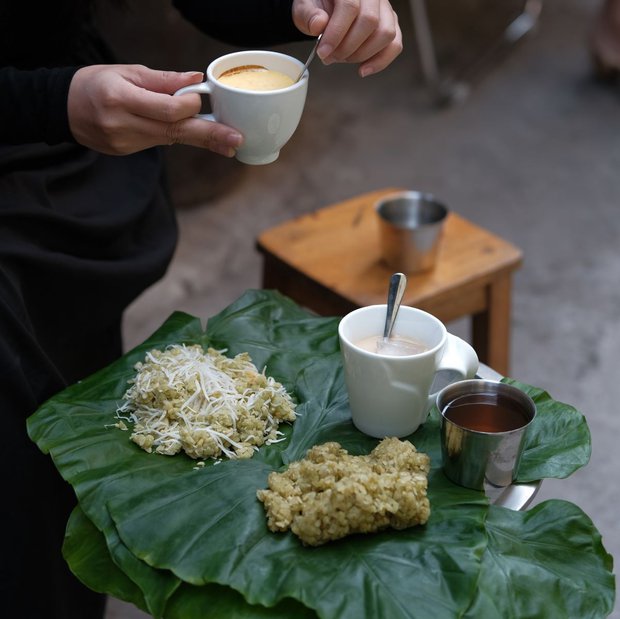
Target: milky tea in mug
<point>396,345</point>
<point>390,394</point>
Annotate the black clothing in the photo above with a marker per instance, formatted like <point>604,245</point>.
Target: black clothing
<point>81,235</point>
<point>243,22</point>
<point>41,45</point>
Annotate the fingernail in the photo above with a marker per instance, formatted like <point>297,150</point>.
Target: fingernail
<point>234,139</point>
<point>366,71</point>
<point>193,73</point>
<point>324,51</point>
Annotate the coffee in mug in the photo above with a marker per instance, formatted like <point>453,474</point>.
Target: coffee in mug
<point>255,77</point>
<point>267,119</point>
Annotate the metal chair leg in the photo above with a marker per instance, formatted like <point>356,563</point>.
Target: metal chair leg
<point>448,90</point>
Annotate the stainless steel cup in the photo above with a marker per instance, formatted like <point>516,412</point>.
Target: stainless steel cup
<point>478,449</point>
<point>410,227</point>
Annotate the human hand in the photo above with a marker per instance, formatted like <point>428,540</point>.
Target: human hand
<point>122,109</point>
<point>356,31</point>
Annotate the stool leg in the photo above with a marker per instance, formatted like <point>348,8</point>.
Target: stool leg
<point>491,329</point>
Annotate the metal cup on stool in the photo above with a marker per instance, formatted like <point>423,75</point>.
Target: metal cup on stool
<point>410,225</point>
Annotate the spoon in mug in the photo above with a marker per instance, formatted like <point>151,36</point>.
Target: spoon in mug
<point>396,290</point>
<point>310,57</point>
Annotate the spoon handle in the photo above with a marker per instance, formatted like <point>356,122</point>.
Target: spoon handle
<point>310,57</point>
<point>396,290</point>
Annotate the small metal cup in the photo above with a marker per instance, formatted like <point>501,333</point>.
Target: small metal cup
<point>410,227</point>
<point>476,458</point>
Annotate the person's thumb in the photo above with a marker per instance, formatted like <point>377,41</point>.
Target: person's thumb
<point>309,18</point>
<point>167,82</point>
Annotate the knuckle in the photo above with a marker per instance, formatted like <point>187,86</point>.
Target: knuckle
<point>370,22</point>
<point>183,107</point>
<point>389,33</point>
<point>169,111</point>
<point>215,145</point>
<point>139,68</point>
<point>166,79</point>
<point>174,133</point>
<point>117,143</point>
<point>109,129</point>
<point>208,141</point>
<point>386,34</point>
<point>114,134</point>
<point>109,99</point>
<point>351,5</point>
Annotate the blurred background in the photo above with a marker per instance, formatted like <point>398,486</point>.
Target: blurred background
<point>530,151</point>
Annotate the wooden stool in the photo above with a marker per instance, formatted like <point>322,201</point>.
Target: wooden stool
<point>329,261</point>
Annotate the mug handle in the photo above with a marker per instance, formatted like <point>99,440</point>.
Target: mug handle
<point>458,357</point>
<point>204,88</point>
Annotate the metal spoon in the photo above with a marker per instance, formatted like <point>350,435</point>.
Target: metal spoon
<point>310,57</point>
<point>396,290</point>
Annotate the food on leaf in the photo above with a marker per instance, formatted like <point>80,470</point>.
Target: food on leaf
<point>331,494</point>
<point>204,403</point>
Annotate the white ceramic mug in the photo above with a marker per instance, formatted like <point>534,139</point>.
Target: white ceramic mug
<point>391,395</point>
<point>266,119</point>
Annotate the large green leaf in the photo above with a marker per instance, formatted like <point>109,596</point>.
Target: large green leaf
<point>164,521</point>
<point>529,551</point>
<point>541,459</point>
<point>88,555</point>
<point>86,552</point>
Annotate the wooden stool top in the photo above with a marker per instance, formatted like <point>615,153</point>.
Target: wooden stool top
<point>338,247</point>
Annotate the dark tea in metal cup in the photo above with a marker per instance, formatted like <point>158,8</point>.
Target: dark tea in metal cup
<point>483,429</point>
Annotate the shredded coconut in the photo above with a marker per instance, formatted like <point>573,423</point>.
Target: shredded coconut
<point>203,403</point>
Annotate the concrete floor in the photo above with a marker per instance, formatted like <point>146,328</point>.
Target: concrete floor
<point>532,154</point>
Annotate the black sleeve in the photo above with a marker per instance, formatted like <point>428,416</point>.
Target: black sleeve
<point>33,105</point>
<point>243,22</point>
